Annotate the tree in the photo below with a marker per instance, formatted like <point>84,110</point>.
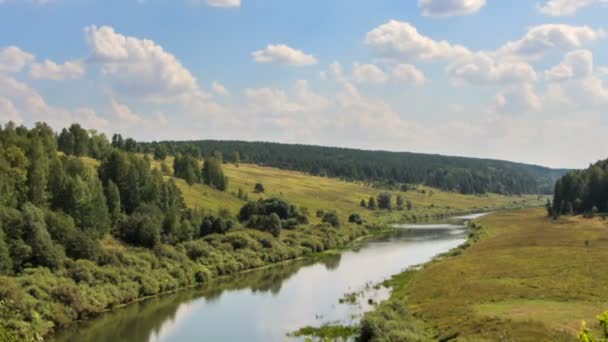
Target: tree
<point>409,205</point>
<point>44,251</point>
<point>371,203</point>
<point>355,218</point>
<point>363,204</point>
<point>37,173</point>
<point>274,225</point>
<point>400,202</point>
<point>384,200</point>
<point>81,140</point>
<point>160,152</point>
<point>258,188</point>
<point>332,218</point>
<point>6,264</point>
<point>237,158</point>
<point>213,175</point>
<point>549,208</point>
<point>65,142</point>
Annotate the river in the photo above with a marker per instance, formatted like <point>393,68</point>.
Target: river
<point>267,304</point>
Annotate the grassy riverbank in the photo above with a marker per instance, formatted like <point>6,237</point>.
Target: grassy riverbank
<point>529,278</point>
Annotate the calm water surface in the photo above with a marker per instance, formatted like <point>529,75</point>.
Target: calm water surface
<point>266,304</point>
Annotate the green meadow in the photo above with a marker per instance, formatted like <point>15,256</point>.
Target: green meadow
<point>528,278</point>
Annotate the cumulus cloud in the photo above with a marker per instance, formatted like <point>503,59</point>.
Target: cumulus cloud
<point>566,7</point>
<point>50,70</point>
<point>31,107</point>
<point>270,101</point>
<point>8,112</point>
<point>368,73</point>
<point>408,73</point>
<point>401,40</point>
<point>219,89</point>
<point>284,55</point>
<point>576,64</point>
<point>518,99</point>
<point>603,70</point>
<point>448,8</point>
<point>542,38</point>
<point>224,3</point>
<point>140,67</point>
<point>13,59</point>
<point>483,68</point>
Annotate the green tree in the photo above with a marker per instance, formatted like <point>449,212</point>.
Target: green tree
<point>409,205</point>
<point>400,202</point>
<point>160,152</point>
<point>363,204</point>
<point>237,158</point>
<point>384,200</point>
<point>44,251</point>
<point>213,175</point>
<point>371,203</point>
<point>65,142</point>
<point>37,173</point>
<point>81,140</point>
<point>258,188</point>
<point>6,264</point>
<point>332,218</point>
<point>274,225</point>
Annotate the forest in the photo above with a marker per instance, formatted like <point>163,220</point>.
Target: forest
<point>87,226</point>
<point>582,191</point>
<point>464,175</point>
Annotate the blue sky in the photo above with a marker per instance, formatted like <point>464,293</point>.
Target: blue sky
<point>517,80</point>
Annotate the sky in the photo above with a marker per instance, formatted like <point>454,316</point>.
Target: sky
<point>515,80</point>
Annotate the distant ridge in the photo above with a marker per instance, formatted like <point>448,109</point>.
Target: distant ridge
<point>462,174</point>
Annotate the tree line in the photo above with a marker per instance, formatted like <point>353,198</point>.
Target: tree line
<point>464,175</point>
<point>581,191</point>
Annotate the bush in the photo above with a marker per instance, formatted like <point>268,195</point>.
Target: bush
<point>331,218</point>
<point>258,188</point>
<point>355,218</point>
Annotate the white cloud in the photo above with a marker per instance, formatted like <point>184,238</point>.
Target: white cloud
<point>368,73</point>
<point>124,118</point>
<point>518,99</point>
<point>483,68</point>
<point>219,89</point>
<point>409,74</point>
<point>270,101</point>
<point>541,38</point>
<point>448,8</point>
<point>603,70</point>
<point>401,40</point>
<point>576,64</point>
<point>8,112</point>
<point>283,54</point>
<point>224,3</point>
<point>13,59</point>
<point>140,67</point>
<point>566,7</point>
<point>32,107</point>
<point>50,70</point>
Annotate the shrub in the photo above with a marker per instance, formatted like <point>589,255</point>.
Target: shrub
<point>355,218</point>
<point>331,218</point>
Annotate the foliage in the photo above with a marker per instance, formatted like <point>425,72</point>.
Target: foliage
<point>384,200</point>
<point>465,175</point>
<point>580,192</point>
<point>213,175</point>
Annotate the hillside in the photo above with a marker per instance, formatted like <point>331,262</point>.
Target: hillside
<point>460,174</point>
<point>323,193</point>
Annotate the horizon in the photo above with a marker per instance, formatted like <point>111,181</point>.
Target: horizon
<point>481,79</point>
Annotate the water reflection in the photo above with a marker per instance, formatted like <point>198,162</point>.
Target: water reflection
<point>265,304</point>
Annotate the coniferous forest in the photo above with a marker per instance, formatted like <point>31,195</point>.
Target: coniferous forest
<point>464,175</point>
<point>582,191</point>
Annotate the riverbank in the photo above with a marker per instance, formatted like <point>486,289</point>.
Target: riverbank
<point>523,277</point>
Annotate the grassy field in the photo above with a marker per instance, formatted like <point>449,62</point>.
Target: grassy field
<point>324,193</point>
<point>530,278</point>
